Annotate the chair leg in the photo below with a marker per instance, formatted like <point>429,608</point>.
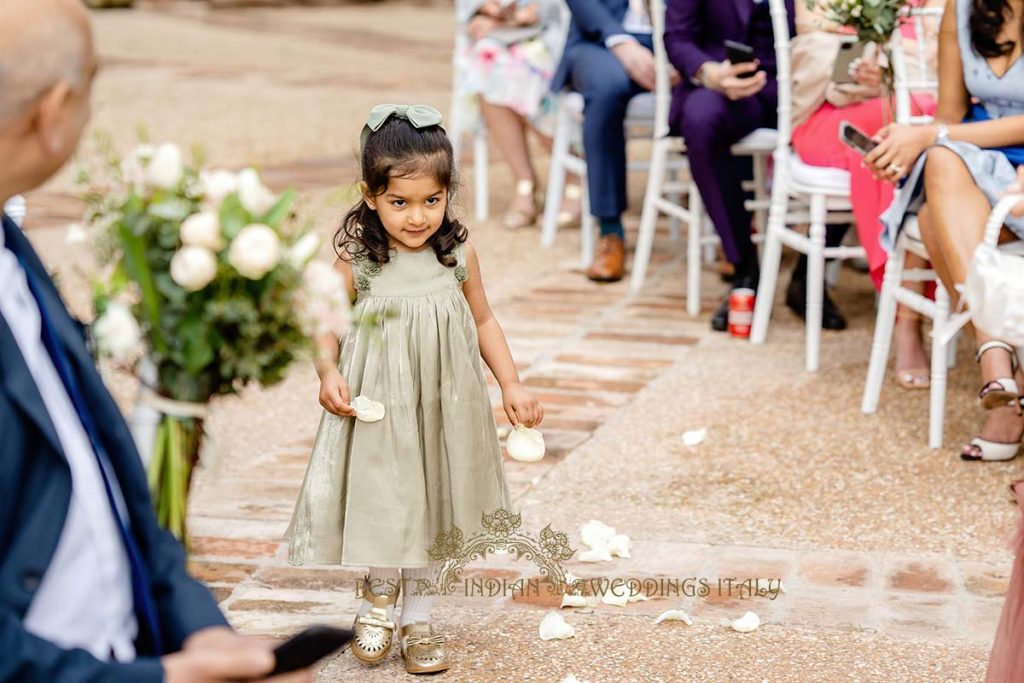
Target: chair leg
<point>694,239</point>
<point>556,179</point>
<point>940,370</point>
<point>649,215</point>
<point>588,227</point>
<point>674,224</point>
<point>760,183</point>
<point>885,323</point>
<point>770,258</point>
<point>815,281</point>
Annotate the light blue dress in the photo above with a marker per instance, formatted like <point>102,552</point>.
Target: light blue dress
<point>992,170</point>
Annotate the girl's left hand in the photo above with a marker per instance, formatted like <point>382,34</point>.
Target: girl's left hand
<point>521,406</point>
<point>898,149</point>
<point>1017,187</point>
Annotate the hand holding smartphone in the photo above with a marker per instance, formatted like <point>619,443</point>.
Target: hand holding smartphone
<point>308,647</point>
<point>739,53</point>
<point>855,139</point>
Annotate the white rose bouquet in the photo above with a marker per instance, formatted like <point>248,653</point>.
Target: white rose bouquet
<point>205,278</point>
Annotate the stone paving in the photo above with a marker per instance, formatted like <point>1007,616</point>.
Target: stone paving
<point>892,556</point>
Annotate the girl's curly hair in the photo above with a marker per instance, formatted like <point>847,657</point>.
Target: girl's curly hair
<point>400,150</point>
<point>987,20</point>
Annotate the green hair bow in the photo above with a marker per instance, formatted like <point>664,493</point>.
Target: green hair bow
<point>419,115</point>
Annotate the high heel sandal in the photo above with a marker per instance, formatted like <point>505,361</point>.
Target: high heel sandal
<point>913,378</point>
<point>373,633</point>
<point>998,393</point>
<point>514,219</point>
<point>570,219</point>
<point>1002,391</point>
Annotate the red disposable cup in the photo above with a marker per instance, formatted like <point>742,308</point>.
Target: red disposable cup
<point>741,312</point>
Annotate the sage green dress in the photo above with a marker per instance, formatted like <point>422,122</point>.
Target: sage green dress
<point>378,493</point>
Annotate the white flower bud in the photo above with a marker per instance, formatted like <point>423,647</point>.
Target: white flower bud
<point>303,250</point>
<point>193,268</point>
<point>255,251</point>
<point>255,197</point>
<point>117,333</point>
<point>202,230</point>
<point>165,169</point>
<point>216,185</point>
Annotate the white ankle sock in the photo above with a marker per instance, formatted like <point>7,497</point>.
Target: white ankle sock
<point>416,608</point>
<point>382,580</point>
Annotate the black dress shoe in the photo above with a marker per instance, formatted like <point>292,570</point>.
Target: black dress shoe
<point>720,319</point>
<point>796,300</point>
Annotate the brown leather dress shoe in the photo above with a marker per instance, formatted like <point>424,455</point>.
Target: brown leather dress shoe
<point>610,261</point>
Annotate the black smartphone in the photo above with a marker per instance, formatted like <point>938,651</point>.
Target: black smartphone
<point>738,53</point>
<point>853,137</point>
<point>309,647</point>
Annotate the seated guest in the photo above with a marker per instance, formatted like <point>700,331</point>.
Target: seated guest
<point>508,71</point>
<point>716,105</point>
<point>607,59</point>
<point>91,589</point>
<point>958,169</point>
<point>819,107</point>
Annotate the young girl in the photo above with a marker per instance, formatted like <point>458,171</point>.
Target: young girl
<point>378,493</point>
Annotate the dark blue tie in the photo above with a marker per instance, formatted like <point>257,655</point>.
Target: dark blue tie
<point>144,606</point>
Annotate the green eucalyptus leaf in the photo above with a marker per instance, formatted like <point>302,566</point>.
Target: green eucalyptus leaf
<point>233,216</point>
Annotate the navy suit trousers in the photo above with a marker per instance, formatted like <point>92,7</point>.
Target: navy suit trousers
<point>607,89</point>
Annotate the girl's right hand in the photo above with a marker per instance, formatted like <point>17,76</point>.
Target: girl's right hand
<point>335,396</point>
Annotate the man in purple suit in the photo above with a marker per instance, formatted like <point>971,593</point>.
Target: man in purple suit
<point>715,105</point>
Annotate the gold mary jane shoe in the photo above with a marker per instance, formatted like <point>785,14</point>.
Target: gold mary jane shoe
<point>373,633</point>
<point>423,650</point>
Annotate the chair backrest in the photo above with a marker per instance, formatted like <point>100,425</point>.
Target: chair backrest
<point>913,73</point>
<point>662,70</point>
<point>784,69</point>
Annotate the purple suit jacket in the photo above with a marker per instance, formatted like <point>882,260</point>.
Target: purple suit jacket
<point>695,31</point>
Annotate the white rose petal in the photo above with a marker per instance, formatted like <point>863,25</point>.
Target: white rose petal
<point>117,332</point>
<point>166,169</point>
<point>694,437</point>
<point>571,678</point>
<point>570,600</point>
<point>367,409</point>
<point>255,197</point>
<point>595,533</point>
<point>611,598</point>
<point>600,554</point>
<point>639,597</point>
<point>674,615</point>
<point>304,249</point>
<point>619,544</point>
<point>553,627</point>
<point>202,230</point>
<point>216,185</point>
<point>193,268</point>
<point>75,234</point>
<point>503,432</point>
<point>745,624</point>
<point>525,444</point>
<point>255,251</point>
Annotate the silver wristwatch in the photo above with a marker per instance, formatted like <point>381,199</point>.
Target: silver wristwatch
<point>941,134</point>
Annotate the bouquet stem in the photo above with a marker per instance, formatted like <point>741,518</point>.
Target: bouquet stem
<point>175,455</point>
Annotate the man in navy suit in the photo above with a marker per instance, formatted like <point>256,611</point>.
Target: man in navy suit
<point>715,105</point>
<point>608,58</point>
<point>91,589</point>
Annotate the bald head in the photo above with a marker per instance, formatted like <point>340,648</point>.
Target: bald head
<point>42,43</point>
